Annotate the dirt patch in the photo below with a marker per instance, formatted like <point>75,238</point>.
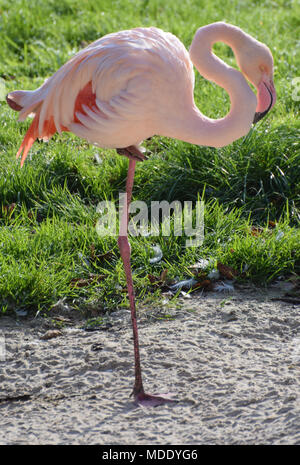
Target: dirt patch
<point>233,361</point>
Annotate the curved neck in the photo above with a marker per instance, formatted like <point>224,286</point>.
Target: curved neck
<point>199,129</point>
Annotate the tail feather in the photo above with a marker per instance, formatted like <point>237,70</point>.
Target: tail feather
<point>30,102</point>
<point>32,134</point>
<point>29,139</point>
<point>26,102</point>
<point>40,103</point>
<point>29,110</point>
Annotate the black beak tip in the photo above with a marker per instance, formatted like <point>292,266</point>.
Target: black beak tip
<point>260,114</point>
<point>257,117</point>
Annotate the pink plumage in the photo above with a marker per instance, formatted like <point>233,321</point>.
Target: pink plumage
<point>129,74</point>
<point>142,83</point>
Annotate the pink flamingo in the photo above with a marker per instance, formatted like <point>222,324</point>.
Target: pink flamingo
<point>131,85</point>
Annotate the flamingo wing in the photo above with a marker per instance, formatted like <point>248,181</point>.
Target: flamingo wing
<point>114,93</point>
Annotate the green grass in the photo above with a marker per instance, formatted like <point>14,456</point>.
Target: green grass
<point>48,212</point>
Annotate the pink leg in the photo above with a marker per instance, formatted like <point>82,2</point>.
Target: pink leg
<point>140,396</point>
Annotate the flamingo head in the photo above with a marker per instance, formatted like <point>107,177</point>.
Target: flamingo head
<point>256,63</point>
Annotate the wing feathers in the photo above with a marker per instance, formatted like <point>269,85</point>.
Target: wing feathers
<point>102,93</point>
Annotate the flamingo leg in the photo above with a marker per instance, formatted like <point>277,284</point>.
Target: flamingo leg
<point>124,247</point>
<point>140,396</point>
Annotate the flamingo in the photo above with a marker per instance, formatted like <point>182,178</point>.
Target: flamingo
<point>130,85</point>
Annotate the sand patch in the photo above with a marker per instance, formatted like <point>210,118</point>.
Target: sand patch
<point>232,360</point>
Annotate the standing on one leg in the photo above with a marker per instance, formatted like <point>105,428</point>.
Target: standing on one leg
<point>138,391</point>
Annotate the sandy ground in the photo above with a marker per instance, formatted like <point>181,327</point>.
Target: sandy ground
<point>232,360</point>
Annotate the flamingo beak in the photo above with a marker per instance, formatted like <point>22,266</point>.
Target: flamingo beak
<point>266,97</point>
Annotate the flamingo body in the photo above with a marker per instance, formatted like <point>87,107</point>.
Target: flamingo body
<point>118,91</point>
